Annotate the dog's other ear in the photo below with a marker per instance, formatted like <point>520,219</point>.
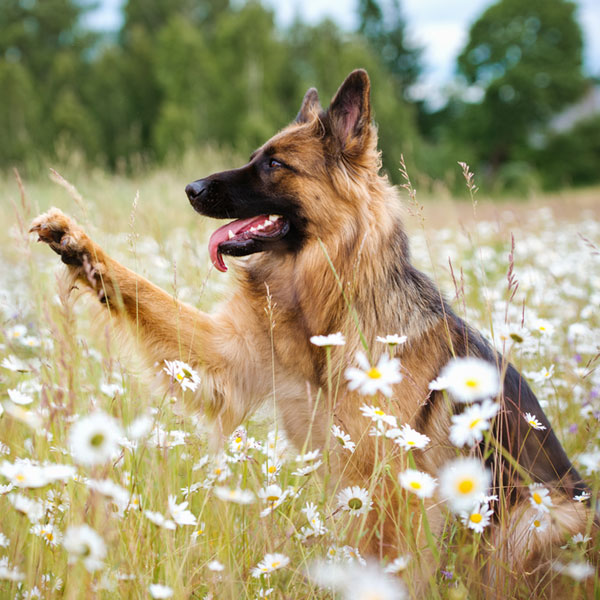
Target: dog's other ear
<point>350,110</point>
<point>310,104</point>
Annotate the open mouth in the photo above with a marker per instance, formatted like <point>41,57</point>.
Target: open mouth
<point>245,236</point>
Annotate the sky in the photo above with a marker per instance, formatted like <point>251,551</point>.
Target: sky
<point>440,27</point>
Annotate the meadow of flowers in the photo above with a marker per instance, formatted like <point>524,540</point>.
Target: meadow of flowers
<point>109,488</point>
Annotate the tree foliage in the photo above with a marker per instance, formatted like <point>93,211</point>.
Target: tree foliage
<point>526,57</point>
<point>183,73</point>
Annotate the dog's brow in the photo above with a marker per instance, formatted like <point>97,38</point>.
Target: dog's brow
<point>253,155</point>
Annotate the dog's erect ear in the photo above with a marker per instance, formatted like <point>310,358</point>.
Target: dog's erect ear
<point>350,110</point>
<point>310,103</point>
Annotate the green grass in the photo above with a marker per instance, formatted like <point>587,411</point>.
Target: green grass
<point>558,274</point>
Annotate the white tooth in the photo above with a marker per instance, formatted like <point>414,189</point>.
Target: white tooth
<point>252,228</point>
<point>268,222</point>
<point>274,218</point>
<point>231,234</point>
<point>261,226</point>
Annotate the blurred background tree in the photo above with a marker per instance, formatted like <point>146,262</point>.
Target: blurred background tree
<point>180,74</point>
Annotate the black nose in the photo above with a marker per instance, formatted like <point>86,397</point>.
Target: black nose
<point>195,189</point>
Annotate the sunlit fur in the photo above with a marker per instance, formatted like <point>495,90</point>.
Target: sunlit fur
<point>351,274</point>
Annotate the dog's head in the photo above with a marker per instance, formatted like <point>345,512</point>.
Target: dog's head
<point>299,182</point>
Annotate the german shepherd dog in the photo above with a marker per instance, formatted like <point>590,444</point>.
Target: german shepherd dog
<point>321,229</point>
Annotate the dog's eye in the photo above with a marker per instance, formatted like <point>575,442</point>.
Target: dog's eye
<point>273,164</point>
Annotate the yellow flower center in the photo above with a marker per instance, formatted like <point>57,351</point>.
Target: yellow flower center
<point>272,498</point>
<point>379,412</point>
<point>355,503</point>
<point>272,469</point>
<point>218,471</point>
<point>537,498</point>
<point>180,376</point>
<point>476,518</point>
<point>536,523</point>
<point>410,443</point>
<point>238,439</point>
<point>374,373</point>
<point>415,485</point>
<point>466,486</point>
<point>20,477</point>
<point>471,383</point>
<point>97,440</point>
<point>275,564</point>
<point>474,423</point>
<point>49,536</point>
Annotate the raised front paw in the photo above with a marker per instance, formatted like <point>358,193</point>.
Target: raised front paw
<point>64,236</point>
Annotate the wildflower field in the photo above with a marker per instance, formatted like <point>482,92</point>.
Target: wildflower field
<point>109,487</point>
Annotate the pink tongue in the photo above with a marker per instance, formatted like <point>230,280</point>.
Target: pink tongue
<point>222,235</point>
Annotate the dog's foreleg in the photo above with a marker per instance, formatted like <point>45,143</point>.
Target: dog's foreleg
<point>227,350</point>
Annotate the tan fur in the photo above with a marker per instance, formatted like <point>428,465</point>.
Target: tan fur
<point>353,223</point>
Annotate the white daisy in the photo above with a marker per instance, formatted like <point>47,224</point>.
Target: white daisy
<point>410,439</point>
<point>215,565</point>
<point>462,483</point>
<point>274,496</point>
<point>355,500</point>
<point>343,438</point>
<point>392,340</point>
<point>270,563</point>
<point>33,509</point>
<point>539,522</point>
<point>364,582</point>
<point>199,531</point>
<point>352,555</point>
<point>440,383</point>
<point>112,389</point>
<point>159,519</point>
<point>590,461</point>
<point>302,471</point>
<point>12,363</point>
<point>23,473</point>
<point>95,439</point>
<point>16,332</point>
<point>309,456</point>
<point>10,573</point>
<point>468,426</point>
<point>369,380</point>
<point>543,327</point>
<point>333,339</point>
<point>183,374</point>
<point>471,379</point>
<point>179,512</point>
<point>579,570</point>
<point>158,590</point>
<point>540,497</point>
<point>398,564</point>
<point>533,422</point>
<point>540,376</point>
<point>237,495</point>
<point>19,397</point>
<point>49,533</point>
<point>84,543</point>
<point>31,341</point>
<point>378,415</point>
<point>417,482</point>
<point>478,518</point>
<point>582,497</point>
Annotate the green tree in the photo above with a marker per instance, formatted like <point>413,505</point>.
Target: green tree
<point>383,26</point>
<point>44,50</point>
<point>526,57</point>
